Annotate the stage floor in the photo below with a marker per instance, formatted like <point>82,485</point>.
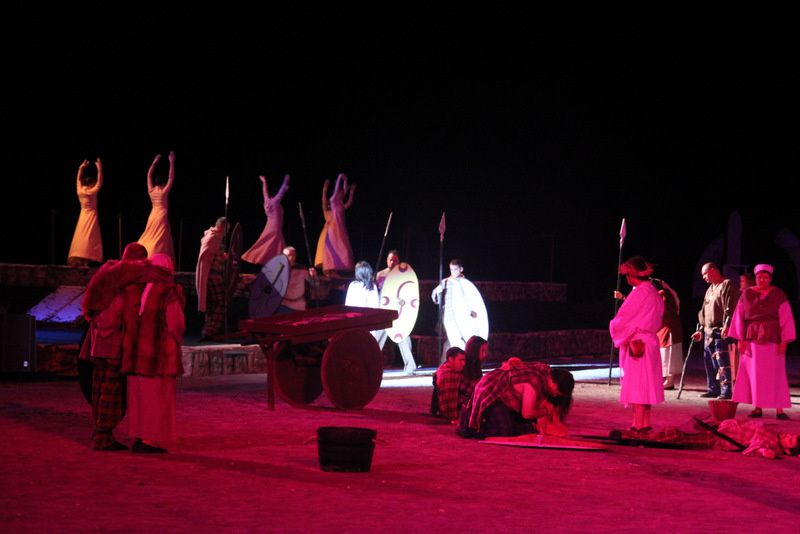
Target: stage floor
<point>239,467</point>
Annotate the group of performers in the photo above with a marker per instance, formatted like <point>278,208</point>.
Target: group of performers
<point>759,322</point>
<point>136,324</point>
<point>87,242</point>
<point>646,328</point>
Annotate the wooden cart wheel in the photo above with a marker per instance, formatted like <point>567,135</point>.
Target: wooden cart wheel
<point>352,369</point>
<point>297,376</point>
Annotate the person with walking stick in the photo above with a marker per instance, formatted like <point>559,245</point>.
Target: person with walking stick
<point>714,318</point>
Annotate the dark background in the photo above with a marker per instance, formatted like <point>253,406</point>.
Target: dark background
<point>537,131</point>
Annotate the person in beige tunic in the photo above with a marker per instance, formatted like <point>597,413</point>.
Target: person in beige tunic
<point>157,236</point>
<point>87,243</point>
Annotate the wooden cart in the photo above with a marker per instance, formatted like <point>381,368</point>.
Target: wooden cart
<point>328,348</point>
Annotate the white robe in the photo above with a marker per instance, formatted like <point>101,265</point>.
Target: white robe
<point>639,317</point>
<point>359,295</point>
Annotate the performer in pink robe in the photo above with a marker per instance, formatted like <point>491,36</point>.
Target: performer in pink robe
<point>270,243</point>
<point>157,236</point>
<point>633,330</point>
<point>153,367</point>
<point>337,254</point>
<point>764,325</point>
<point>87,244</point>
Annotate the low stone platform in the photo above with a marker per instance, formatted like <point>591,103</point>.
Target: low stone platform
<point>206,360</point>
<point>219,359</point>
<point>528,345</point>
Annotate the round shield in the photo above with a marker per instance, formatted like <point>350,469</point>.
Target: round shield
<point>235,245</point>
<point>469,311</point>
<point>400,292</point>
<point>352,369</point>
<point>269,287</point>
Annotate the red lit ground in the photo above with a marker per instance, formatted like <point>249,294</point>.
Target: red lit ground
<point>242,468</point>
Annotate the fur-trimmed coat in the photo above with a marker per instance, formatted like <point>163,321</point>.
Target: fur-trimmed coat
<point>160,334</point>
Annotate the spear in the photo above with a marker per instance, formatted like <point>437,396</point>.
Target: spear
<point>227,194</point>
<point>383,243</point>
<point>308,253</point>
<point>225,273</point>
<point>622,233</point>
<point>442,228</point>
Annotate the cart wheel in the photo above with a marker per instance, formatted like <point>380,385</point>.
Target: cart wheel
<point>297,377</point>
<point>352,369</point>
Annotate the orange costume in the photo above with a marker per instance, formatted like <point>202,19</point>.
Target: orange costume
<point>157,236</point>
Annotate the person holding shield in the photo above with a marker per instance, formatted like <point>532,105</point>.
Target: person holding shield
<point>464,313</point>
<point>409,365</point>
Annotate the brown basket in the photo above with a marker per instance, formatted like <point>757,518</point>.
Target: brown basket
<point>722,409</point>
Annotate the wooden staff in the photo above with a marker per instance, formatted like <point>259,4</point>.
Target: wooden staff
<point>225,244</point>
<point>442,228</point>
<point>622,233</point>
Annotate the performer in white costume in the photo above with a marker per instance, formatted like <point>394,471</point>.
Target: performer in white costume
<point>633,330</point>
<point>270,243</point>
<point>464,313</point>
<point>362,291</point>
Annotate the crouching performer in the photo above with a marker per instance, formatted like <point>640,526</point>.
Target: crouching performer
<point>519,398</point>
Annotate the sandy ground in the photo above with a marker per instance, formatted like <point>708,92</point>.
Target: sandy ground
<point>242,468</point>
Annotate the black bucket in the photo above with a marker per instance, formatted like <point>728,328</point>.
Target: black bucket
<point>345,449</point>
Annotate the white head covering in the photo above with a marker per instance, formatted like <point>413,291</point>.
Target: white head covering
<point>763,267</point>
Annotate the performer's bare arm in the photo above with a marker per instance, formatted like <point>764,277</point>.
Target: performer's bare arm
<point>350,197</point>
<point>150,172</point>
<point>81,168</point>
<point>532,407</point>
<point>99,165</point>
<point>264,191</point>
<point>340,186</point>
<point>171,176</point>
<point>283,189</point>
<point>325,195</point>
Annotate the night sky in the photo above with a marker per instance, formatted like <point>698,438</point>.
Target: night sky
<point>536,131</point>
